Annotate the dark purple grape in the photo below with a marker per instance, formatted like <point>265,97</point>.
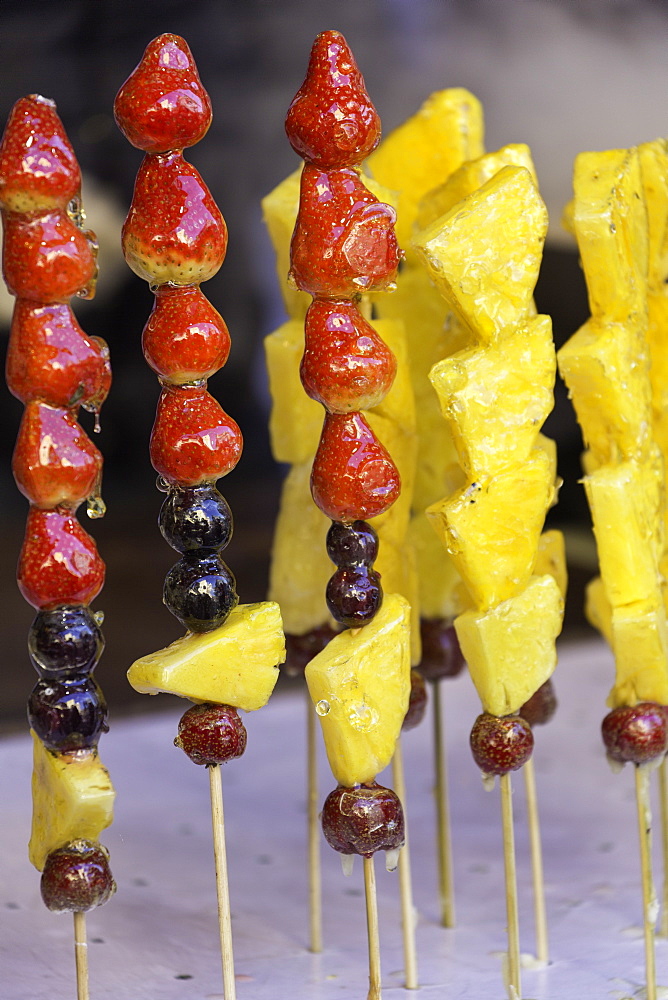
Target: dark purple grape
<point>200,591</point>
<point>417,702</point>
<point>363,819</point>
<point>541,706</point>
<point>68,715</point>
<point>300,649</point>
<point>353,544</point>
<point>196,517</point>
<point>77,877</point>
<point>211,734</point>
<point>441,653</point>
<point>64,641</point>
<point>354,596</point>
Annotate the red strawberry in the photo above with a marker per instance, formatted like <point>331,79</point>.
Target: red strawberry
<point>52,359</point>
<point>59,561</point>
<point>346,366</point>
<point>163,105</point>
<point>38,168</point>
<point>47,258</point>
<point>344,241</point>
<point>331,121</point>
<point>353,477</point>
<point>54,461</point>
<point>193,440</point>
<point>174,230</point>
<point>185,338</point>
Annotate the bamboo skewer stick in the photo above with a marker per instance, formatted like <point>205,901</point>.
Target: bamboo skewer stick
<point>444,845</point>
<point>222,884</point>
<point>372,929</point>
<point>81,955</point>
<point>314,872</point>
<point>648,893</point>
<point>663,799</point>
<point>405,880</point>
<point>542,946</point>
<point>514,983</point>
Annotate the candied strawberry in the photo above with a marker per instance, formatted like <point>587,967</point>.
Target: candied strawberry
<point>636,734</point>
<point>38,168</point>
<point>346,366</point>
<point>353,477</point>
<point>185,338</point>
<point>59,561</point>
<point>77,877</point>
<point>344,242</point>
<point>54,461</point>
<point>163,105</point>
<point>500,744</point>
<point>193,440</point>
<point>174,230</point>
<point>52,359</point>
<point>47,258</point>
<point>331,121</point>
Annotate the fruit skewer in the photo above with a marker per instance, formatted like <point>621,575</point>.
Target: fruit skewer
<point>54,368</point>
<point>175,238</point>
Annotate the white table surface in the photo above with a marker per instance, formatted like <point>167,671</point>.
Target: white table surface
<point>157,939</point>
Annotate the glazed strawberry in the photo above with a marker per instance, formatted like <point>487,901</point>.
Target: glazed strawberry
<point>185,338</point>
<point>353,477</point>
<point>38,168</point>
<point>193,440</point>
<point>47,258</point>
<point>501,744</point>
<point>163,105</point>
<point>344,242</point>
<point>54,462</point>
<point>59,561</point>
<point>52,359</point>
<point>331,121</point>
<point>174,230</point>
<point>346,366</point>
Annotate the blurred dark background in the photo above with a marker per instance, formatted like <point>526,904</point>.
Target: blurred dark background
<point>558,75</point>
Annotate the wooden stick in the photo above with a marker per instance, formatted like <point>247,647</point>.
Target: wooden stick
<point>514,984</point>
<point>372,929</point>
<point>405,880</point>
<point>81,955</point>
<point>444,842</point>
<point>314,872</point>
<point>542,949</point>
<point>648,894</point>
<point>222,884</point>
<point>663,799</point>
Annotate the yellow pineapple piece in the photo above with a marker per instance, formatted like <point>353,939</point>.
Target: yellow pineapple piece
<point>549,446</point>
<point>551,558</point>
<point>442,593</point>
<point>295,422</point>
<point>598,610</point>
<point>279,209</point>
<point>657,339</point>
<point>510,649</point>
<point>398,572</point>
<point>484,255</point>
<point>399,403</point>
<point>425,149</point>
<point>360,684</point>
<point>491,528</point>
<point>610,221</point>
<point>497,399</point>
<point>654,174</point>
<point>640,644</point>
<point>235,664</point>
<point>73,799</point>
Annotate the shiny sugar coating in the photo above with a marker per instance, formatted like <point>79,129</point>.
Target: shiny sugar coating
<point>354,596</point>
<point>174,231</point>
<point>353,477</point>
<point>77,877</point>
<point>417,703</point>
<point>196,517</point>
<point>331,121</point>
<point>353,544</point>
<point>211,734</point>
<point>441,653</point>
<point>345,366</point>
<point>501,744</point>
<point>200,591</point>
<point>344,243</point>
<point>47,258</point>
<point>50,358</point>
<point>185,338</point>
<point>59,562</point>
<point>68,714</point>
<point>163,105</point>
<point>38,168</point>
<point>64,642</point>
<point>363,819</point>
<point>193,440</point>
<point>636,734</point>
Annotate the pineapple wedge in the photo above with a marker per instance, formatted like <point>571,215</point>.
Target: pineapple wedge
<point>236,664</point>
<point>640,644</point>
<point>484,255</point>
<point>654,173</point>
<point>397,566</point>
<point>510,649</point>
<point>442,593</point>
<point>295,422</point>
<point>73,799</point>
<point>551,558</point>
<point>598,610</point>
<point>279,209</point>
<point>360,685</point>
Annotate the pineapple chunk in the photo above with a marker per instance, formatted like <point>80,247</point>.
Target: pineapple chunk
<point>442,593</point>
<point>236,664</point>
<point>551,558</point>
<point>484,255</point>
<point>497,399</point>
<point>657,332</point>
<point>598,610</point>
<point>279,209</point>
<point>399,403</point>
<point>610,220</point>
<point>73,799</point>
<point>640,644</point>
<point>654,173</point>
<point>296,419</point>
<point>510,650</point>
<point>360,685</point>
<point>491,528</point>
<point>397,566</point>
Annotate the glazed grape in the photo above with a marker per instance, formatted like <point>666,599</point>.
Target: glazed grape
<point>353,544</point>
<point>300,649</point>
<point>354,596</point>
<point>441,653</point>
<point>500,744</point>
<point>635,734</point>
<point>196,517</point>
<point>77,877</point>
<point>417,702</point>
<point>541,706</point>
<point>200,591</point>
<point>68,715</point>
<point>211,734</point>
<point>363,819</point>
<point>64,641</point>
